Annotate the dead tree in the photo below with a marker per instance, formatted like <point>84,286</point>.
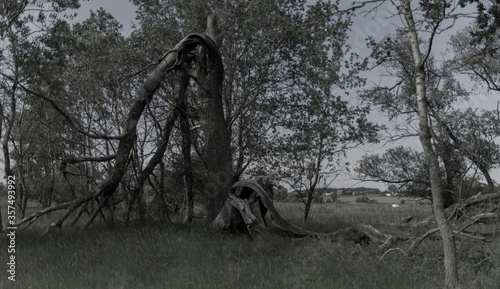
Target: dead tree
<point>246,207</point>
<point>198,56</point>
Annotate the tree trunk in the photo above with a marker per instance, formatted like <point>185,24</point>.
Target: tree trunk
<point>489,181</point>
<point>444,151</point>
<point>315,180</point>
<point>160,205</point>
<point>10,124</point>
<point>210,75</point>
<point>24,193</point>
<point>450,259</point>
<point>240,166</point>
<point>307,206</point>
<point>187,167</point>
<point>48,192</point>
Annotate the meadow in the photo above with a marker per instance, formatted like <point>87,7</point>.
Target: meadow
<point>163,255</point>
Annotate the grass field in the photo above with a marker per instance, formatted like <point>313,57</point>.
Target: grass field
<point>166,256</point>
<point>379,198</point>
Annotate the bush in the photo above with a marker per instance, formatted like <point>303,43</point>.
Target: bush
<point>365,200</point>
<point>318,200</point>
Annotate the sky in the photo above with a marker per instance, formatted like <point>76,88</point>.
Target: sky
<point>122,10</point>
<point>376,24</point>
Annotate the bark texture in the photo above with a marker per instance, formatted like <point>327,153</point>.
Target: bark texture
<point>209,78</point>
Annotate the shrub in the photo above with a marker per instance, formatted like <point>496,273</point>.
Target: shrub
<point>365,200</point>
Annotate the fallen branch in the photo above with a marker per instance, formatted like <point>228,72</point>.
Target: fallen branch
<point>471,201</point>
<point>256,194</point>
<point>419,240</point>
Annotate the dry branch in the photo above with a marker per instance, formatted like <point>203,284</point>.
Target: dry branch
<point>74,160</point>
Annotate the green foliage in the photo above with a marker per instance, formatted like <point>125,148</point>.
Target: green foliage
<point>317,126</point>
<point>463,136</point>
<point>397,165</point>
<point>487,19</point>
<point>393,52</point>
<point>80,73</point>
<point>476,130</point>
<point>365,200</point>
<point>479,60</point>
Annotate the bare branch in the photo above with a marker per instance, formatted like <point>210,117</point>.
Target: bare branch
<point>74,160</point>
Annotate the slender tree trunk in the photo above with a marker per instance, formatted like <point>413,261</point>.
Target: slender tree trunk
<point>240,168</point>
<point>6,137</point>
<point>187,167</point>
<point>450,259</point>
<point>307,207</point>
<point>24,192</point>
<point>159,197</point>
<point>315,180</point>
<point>48,189</point>
<point>489,181</point>
<point>6,158</point>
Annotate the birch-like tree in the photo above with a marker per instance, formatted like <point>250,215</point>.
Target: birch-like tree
<point>421,24</point>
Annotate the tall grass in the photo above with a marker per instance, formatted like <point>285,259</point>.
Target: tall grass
<point>333,216</point>
<point>166,256</point>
